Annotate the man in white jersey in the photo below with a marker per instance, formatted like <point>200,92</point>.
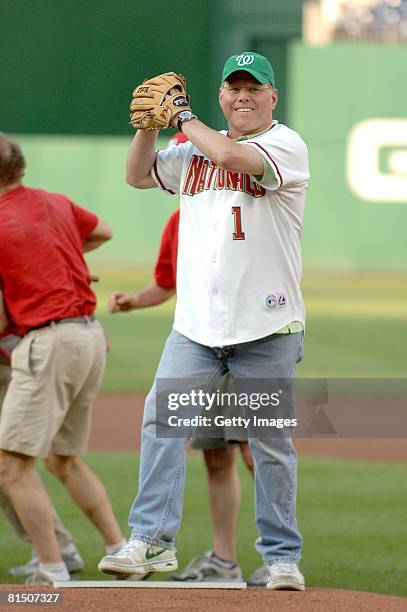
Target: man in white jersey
<point>239,305</point>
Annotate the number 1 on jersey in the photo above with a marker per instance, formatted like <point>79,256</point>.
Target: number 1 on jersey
<point>238,234</point>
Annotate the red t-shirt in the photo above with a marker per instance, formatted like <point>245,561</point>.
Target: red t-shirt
<point>43,274</point>
<point>165,271</point>
<point>177,139</point>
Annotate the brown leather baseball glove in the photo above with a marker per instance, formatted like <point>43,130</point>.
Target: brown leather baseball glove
<point>153,107</point>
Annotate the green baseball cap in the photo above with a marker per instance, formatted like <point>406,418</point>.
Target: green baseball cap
<point>253,63</point>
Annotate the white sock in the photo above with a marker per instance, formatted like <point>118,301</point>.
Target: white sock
<point>112,549</point>
<point>56,571</point>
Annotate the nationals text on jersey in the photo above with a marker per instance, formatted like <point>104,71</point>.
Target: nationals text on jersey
<point>203,174</point>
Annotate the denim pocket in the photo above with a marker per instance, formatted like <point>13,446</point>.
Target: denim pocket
<point>300,355</point>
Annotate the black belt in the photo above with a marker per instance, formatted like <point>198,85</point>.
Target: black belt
<point>86,319</point>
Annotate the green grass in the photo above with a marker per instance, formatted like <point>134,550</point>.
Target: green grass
<point>136,344</point>
<point>351,514</point>
<point>334,348</point>
<point>356,328</point>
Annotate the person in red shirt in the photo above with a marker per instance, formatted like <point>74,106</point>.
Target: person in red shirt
<point>69,551</point>
<point>58,365</point>
<point>218,564</point>
<point>163,285</point>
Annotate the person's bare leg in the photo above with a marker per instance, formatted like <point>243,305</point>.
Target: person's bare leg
<point>88,493</point>
<point>247,456</point>
<point>31,503</point>
<point>224,500</point>
<point>64,537</point>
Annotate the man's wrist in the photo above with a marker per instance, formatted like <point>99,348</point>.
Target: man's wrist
<point>135,301</point>
<point>183,117</point>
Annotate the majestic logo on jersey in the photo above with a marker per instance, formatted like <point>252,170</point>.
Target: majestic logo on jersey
<point>276,300</point>
<point>203,174</point>
<point>244,59</point>
<point>377,160</point>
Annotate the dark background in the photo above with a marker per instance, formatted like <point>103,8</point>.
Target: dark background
<point>69,67</point>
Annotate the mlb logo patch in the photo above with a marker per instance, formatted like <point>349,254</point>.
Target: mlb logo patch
<point>276,300</point>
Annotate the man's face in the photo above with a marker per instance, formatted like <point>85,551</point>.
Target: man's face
<point>247,104</point>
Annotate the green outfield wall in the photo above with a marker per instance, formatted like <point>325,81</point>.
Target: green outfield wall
<point>69,67</point>
<point>349,102</point>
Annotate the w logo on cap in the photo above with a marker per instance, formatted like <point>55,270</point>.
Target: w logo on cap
<point>244,59</point>
<point>253,63</point>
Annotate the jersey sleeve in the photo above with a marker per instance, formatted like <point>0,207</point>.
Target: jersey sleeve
<point>86,221</point>
<point>286,160</point>
<point>167,168</point>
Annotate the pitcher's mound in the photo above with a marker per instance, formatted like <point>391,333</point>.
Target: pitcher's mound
<point>250,600</point>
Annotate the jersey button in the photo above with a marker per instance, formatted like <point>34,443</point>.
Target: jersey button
<point>214,291</point>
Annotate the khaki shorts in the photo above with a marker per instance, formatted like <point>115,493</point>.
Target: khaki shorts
<point>4,380</point>
<point>56,372</point>
<point>204,438</point>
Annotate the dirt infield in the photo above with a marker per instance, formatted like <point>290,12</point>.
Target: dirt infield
<point>117,422</point>
<point>250,600</point>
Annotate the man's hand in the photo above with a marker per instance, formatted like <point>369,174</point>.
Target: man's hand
<point>175,110</point>
<point>121,302</point>
<point>157,100</point>
<point>152,295</point>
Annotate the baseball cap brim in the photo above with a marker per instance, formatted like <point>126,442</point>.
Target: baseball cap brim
<point>259,77</point>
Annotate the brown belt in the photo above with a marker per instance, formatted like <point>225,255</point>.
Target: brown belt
<point>86,319</point>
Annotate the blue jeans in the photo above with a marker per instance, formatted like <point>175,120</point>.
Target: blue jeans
<point>157,510</point>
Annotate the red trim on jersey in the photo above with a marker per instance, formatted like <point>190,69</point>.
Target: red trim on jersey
<point>271,159</point>
<point>159,179</point>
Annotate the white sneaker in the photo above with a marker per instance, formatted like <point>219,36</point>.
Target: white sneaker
<point>27,569</point>
<point>138,557</point>
<point>285,576</point>
<point>72,560</point>
<point>207,569</point>
<point>260,576</point>
<point>44,578</point>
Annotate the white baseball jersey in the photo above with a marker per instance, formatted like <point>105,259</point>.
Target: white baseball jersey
<point>239,257</point>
